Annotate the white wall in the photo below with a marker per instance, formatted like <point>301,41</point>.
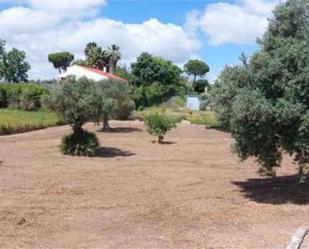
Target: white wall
<point>193,103</point>
<point>80,72</point>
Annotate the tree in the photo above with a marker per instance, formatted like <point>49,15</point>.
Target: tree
<point>13,64</point>
<point>114,57</point>
<point>76,102</point>
<point>123,72</point>
<point>200,85</point>
<point>155,80</point>
<point>96,56</point>
<point>61,61</point>
<point>158,125</point>
<point>113,101</point>
<point>196,68</point>
<point>269,105</point>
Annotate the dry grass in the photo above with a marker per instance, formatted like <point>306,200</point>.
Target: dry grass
<point>190,193</point>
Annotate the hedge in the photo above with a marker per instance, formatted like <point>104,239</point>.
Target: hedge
<point>25,96</point>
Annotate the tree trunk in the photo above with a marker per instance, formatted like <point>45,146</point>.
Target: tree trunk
<point>106,126</point>
<point>160,139</point>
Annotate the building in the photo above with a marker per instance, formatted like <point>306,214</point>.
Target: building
<point>193,103</point>
<point>88,72</point>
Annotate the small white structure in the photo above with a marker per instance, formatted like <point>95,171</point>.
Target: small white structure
<point>88,72</point>
<point>193,103</point>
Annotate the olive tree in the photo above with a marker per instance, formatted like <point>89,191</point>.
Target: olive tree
<point>113,98</point>
<point>76,103</point>
<point>265,101</point>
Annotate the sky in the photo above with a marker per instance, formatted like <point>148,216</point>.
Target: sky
<point>216,32</point>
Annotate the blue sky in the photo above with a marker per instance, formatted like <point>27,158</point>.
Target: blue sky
<point>214,31</point>
<point>175,11</point>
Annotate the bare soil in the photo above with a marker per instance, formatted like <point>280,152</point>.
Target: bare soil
<point>191,192</point>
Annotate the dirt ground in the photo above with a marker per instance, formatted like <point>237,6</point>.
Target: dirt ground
<point>189,193</point>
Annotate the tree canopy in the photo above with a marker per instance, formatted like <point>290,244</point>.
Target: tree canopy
<point>13,64</point>
<point>264,102</point>
<point>61,61</point>
<point>196,68</point>
<point>155,80</point>
<point>100,58</point>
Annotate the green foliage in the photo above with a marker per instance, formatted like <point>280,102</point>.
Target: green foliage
<point>155,80</point>
<point>16,121</point>
<point>74,100</point>
<point>114,57</point>
<point>209,119</point>
<point>200,85</point>
<point>13,66</point>
<point>196,68</point>
<point>224,91</point>
<point>100,58</point>
<point>80,143</point>
<point>123,72</point>
<point>265,101</point>
<point>112,97</point>
<point>61,61</point>
<point>25,96</point>
<point>158,125</point>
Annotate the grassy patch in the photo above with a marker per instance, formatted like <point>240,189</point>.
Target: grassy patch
<point>17,121</point>
<point>207,118</point>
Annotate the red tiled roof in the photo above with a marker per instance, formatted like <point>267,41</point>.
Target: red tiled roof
<point>108,75</point>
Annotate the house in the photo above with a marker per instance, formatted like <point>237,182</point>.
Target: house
<point>88,72</point>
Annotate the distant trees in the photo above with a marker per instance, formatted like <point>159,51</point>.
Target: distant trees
<point>61,61</point>
<point>200,85</point>
<point>196,68</point>
<point>264,102</point>
<point>13,64</point>
<point>100,58</point>
<point>114,57</point>
<point>155,80</point>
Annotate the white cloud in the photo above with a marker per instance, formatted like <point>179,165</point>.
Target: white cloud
<point>67,8</point>
<point>38,31</point>
<point>239,23</point>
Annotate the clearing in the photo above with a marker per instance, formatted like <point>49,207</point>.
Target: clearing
<point>190,193</point>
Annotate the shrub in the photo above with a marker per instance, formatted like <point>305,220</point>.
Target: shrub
<point>208,119</point>
<point>3,98</point>
<point>26,96</point>
<point>81,143</point>
<point>124,108</point>
<point>158,125</point>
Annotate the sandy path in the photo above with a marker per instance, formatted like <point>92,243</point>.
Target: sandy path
<point>137,194</point>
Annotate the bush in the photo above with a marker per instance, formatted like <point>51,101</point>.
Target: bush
<point>82,143</point>
<point>208,119</point>
<point>26,96</point>
<point>124,108</point>
<point>3,98</point>
<point>158,125</point>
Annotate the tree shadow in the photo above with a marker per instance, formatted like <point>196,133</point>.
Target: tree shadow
<point>125,130</point>
<point>279,190</point>
<point>163,142</point>
<point>109,152</point>
<point>122,130</point>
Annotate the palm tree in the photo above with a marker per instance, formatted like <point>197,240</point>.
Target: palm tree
<point>114,57</point>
